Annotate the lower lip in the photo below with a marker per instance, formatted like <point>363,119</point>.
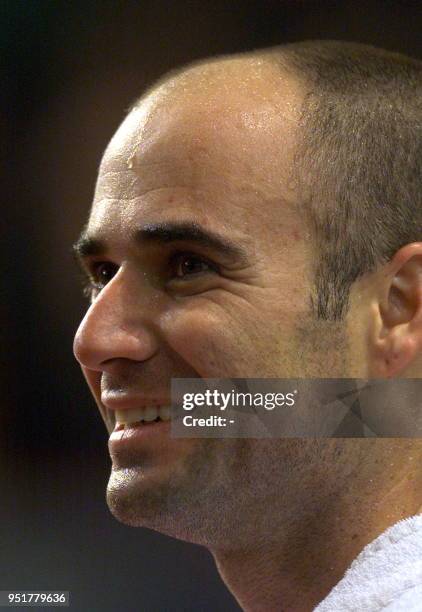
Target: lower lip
<point>119,439</point>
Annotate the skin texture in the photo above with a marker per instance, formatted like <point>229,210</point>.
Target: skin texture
<point>284,518</point>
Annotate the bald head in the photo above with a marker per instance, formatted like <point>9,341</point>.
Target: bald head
<point>255,74</point>
<point>245,95</point>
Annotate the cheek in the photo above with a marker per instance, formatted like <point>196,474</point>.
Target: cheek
<point>216,344</point>
<point>201,338</point>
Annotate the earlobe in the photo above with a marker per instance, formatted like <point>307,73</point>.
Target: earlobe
<point>394,355</point>
<point>397,341</point>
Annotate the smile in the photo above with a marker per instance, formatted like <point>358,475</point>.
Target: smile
<point>138,416</point>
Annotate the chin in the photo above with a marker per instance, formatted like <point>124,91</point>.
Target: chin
<point>134,499</point>
<point>174,510</point>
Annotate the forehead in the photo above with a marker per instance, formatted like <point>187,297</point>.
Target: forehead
<point>214,148</point>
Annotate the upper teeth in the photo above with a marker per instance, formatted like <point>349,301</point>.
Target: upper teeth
<point>147,413</point>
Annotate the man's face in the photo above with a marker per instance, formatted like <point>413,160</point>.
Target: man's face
<point>201,269</point>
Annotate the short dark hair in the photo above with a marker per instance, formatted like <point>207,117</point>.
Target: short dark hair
<point>359,160</point>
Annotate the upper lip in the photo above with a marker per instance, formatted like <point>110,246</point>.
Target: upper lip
<point>125,401</point>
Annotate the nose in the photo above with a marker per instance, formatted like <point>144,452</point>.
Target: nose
<point>116,326</point>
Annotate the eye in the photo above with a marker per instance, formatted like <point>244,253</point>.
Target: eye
<point>187,264</point>
<point>101,273</point>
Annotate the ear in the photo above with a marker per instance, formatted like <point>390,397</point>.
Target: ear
<point>396,341</point>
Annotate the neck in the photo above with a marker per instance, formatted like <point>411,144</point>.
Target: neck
<point>298,565</point>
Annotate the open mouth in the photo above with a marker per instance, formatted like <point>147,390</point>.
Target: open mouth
<point>126,419</point>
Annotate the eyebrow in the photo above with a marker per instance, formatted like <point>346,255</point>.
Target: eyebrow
<point>86,246</point>
<point>164,233</point>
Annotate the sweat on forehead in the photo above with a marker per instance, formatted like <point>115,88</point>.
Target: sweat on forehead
<point>256,77</point>
<point>224,108</point>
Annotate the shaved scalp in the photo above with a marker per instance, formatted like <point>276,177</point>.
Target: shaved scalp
<point>358,164</point>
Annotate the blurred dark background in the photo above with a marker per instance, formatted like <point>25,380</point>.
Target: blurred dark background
<point>68,72</point>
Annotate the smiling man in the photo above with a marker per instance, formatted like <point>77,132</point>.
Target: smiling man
<point>259,216</point>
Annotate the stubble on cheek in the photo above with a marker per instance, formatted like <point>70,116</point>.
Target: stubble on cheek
<point>322,349</point>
